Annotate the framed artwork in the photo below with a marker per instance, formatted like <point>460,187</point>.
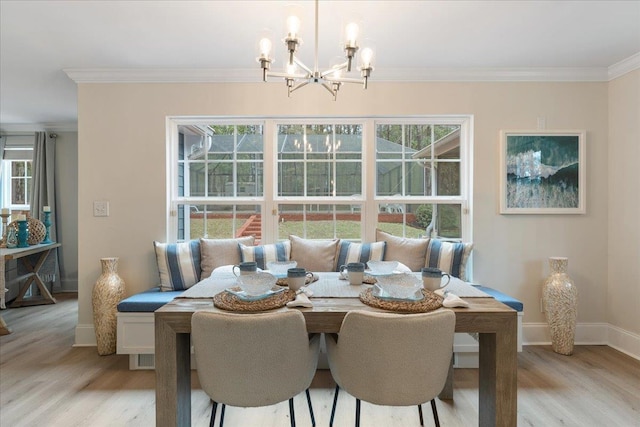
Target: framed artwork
<point>542,172</point>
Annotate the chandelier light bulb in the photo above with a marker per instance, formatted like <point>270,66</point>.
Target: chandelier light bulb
<point>293,26</point>
<point>352,33</point>
<point>367,56</point>
<point>291,68</point>
<point>265,47</point>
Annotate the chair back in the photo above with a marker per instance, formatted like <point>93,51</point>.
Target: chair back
<point>393,359</point>
<point>251,360</point>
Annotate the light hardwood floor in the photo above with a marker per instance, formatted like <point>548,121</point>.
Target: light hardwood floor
<point>44,381</point>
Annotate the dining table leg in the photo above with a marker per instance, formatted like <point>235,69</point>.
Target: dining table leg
<point>173,375</point>
<point>498,375</point>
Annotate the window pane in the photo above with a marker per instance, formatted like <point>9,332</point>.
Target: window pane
<point>17,169</point>
<point>389,178</point>
<point>220,221</point>
<point>318,221</point>
<point>319,179</point>
<point>418,179</point>
<point>197,179</point>
<point>291,179</point>
<point>416,220</point>
<point>18,192</point>
<point>348,178</point>
<point>448,178</point>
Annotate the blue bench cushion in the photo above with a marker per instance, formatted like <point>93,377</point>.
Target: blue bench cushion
<point>147,301</point>
<point>503,298</point>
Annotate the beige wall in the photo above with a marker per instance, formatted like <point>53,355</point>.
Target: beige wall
<point>122,145</point>
<point>623,296</point>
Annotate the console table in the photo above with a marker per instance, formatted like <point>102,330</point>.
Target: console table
<point>33,275</point>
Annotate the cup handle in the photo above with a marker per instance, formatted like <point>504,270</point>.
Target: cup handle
<point>233,270</point>
<point>448,280</point>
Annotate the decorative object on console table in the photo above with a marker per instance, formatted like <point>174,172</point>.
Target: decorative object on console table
<point>107,292</point>
<point>560,301</point>
<point>6,213</point>
<point>46,211</point>
<point>23,232</point>
<point>37,230</point>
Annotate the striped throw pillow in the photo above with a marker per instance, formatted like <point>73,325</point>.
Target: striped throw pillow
<point>178,264</point>
<point>266,253</point>
<point>450,257</point>
<point>359,252</point>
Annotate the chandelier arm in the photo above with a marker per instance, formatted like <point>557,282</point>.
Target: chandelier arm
<point>329,88</point>
<point>334,69</point>
<point>287,75</point>
<point>301,64</point>
<point>343,80</point>
<point>299,85</point>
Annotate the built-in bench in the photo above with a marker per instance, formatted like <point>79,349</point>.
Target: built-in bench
<point>136,335</point>
<point>137,339</point>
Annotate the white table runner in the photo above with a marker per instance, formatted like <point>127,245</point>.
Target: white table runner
<point>328,286</point>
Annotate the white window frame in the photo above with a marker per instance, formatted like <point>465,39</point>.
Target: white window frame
<point>269,202</point>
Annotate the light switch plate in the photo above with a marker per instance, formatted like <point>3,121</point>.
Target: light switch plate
<point>100,208</point>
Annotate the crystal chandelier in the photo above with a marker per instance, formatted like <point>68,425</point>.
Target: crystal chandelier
<point>297,74</point>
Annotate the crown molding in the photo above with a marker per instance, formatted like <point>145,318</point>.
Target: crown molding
<point>625,66</point>
<point>218,75</point>
<point>162,75</point>
<point>38,127</point>
<point>493,75</point>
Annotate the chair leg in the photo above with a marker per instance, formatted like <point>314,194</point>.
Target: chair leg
<point>222,414</point>
<point>333,408</point>
<point>313,419</point>
<point>357,412</point>
<point>435,412</point>
<point>213,414</point>
<point>292,413</point>
<point>420,413</point>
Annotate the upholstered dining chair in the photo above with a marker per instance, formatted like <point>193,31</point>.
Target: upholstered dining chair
<point>392,359</point>
<point>252,360</point>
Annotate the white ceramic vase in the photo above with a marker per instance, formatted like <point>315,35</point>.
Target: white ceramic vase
<point>560,301</point>
<point>107,293</point>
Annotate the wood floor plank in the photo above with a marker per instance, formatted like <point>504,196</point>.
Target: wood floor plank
<point>45,381</point>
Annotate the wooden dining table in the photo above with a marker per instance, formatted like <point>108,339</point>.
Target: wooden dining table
<point>494,322</point>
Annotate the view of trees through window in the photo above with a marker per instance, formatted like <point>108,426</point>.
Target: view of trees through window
<point>321,186</point>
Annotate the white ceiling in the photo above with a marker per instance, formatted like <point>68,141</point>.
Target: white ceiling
<point>43,43</point>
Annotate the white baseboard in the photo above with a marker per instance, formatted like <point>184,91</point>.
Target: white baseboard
<point>624,341</point>
<point>587,334</point>
<point>85,336</point>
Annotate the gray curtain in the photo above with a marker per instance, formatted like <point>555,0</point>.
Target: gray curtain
<point>43,194</point>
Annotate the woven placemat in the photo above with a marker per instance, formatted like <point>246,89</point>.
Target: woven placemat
<point>228,301</point>
<point>430,302</point>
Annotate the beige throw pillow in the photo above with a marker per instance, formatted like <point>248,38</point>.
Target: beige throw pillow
<point>314,255</point>
<point>219,252</point>
<point>410,252</point>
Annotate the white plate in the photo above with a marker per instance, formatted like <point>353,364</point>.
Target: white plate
<point>378,292</point>
<point>242,295</point>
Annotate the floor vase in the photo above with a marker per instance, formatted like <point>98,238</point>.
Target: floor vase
<point>108,291</point>
<point>560,301</point>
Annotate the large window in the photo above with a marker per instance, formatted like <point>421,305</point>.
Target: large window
<point>320,178</point>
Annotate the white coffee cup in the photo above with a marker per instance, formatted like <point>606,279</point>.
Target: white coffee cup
<point>354,272</point>
<point>297,278</point>
<point>432,279</point>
